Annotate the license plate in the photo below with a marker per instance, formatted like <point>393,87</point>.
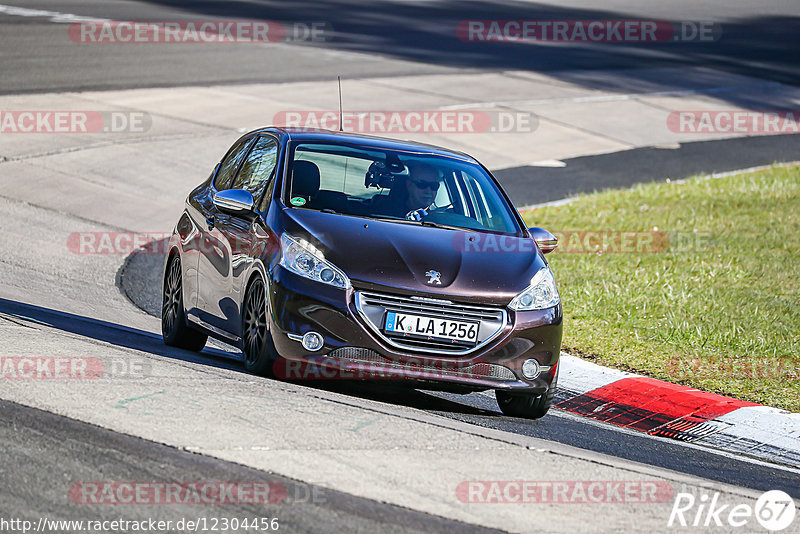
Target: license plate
<point>433,328</point>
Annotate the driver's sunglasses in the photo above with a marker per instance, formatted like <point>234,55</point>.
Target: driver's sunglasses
<point>422,184</point>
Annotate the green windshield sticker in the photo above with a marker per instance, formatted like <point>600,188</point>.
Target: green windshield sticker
<point>298,201</point>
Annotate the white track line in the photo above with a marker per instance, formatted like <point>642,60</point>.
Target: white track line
<point>52,16</point>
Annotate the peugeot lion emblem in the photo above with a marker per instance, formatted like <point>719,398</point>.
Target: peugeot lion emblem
<point>434,277</point>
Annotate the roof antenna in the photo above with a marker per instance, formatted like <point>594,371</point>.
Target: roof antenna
<point>341,128</point>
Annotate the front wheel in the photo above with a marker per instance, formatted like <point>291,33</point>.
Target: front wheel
<point>528,406</point>
<point>174,329</point>
<point>256,339</point>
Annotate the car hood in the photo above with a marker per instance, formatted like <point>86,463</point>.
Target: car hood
<point>389,256</point>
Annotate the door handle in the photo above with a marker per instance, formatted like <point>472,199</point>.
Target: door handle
<point>210,222</point>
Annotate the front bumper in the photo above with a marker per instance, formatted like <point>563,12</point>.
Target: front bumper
<point>353,350</point>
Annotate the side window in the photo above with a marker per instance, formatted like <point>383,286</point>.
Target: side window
<point>230,164</point>
<point>487,209</point>
<point>339,173</point>
<point>258,166</point>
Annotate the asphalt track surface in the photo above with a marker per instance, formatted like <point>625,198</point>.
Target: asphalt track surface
<point>385,38</point>
<point>32,438</point>
<point>758,42</point>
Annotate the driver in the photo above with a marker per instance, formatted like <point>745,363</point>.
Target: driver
<point>410,196</point>
<point>421,187</point>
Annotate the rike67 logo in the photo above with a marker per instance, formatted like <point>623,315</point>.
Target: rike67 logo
<point>774,511</point>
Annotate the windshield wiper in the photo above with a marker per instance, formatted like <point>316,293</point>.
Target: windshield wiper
<point>409,221</point>
<point>390,219</point>
<point>423,222</point>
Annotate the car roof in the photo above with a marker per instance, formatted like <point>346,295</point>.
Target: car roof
<point>308,134</point>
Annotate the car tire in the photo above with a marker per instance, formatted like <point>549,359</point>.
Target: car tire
<point>257,346</point>
<point>527,406</point>
<point>174,329</point>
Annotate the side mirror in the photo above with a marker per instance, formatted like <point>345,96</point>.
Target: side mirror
<point>546,241</point>
<point>236,201</point>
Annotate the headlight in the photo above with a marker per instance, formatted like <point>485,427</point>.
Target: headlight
<point>304,259</point>
<point>540,295</point>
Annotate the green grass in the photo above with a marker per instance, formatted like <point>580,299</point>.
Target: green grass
<point>718,310</point>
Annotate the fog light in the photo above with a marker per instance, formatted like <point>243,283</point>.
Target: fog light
<point>531,369</point>
<point>326,275</point>
<point>313,341</point>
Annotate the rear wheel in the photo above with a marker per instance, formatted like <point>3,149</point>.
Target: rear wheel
<point>174,329</point>
<point>256,340</point>
<point>526,405</point>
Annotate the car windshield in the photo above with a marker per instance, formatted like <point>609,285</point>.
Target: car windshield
<point>397,185</point>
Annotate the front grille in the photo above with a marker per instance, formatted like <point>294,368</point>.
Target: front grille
<point>441,308</point>
<point>357,354</point>
<point>493,371</point>
<point>373,308</point>
<point>371,357</point>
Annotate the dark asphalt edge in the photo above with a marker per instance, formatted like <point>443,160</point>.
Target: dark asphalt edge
<point>337,501</point>
<point>121,282</point>
<point>528,185</point>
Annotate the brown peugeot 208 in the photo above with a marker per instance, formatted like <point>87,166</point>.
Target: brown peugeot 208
<point>332,255</point>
